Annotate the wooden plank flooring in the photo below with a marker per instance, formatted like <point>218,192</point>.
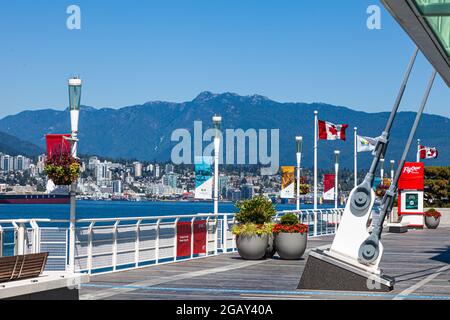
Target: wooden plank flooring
<point>419,260</point>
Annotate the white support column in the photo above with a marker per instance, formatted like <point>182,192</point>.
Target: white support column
<point>316,134</point>
<point>382,163</point>
<point>356,156</point>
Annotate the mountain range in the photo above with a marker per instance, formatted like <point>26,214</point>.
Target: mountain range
<point>144,131</point>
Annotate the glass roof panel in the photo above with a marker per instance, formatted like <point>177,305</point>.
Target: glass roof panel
<point>437,13</point>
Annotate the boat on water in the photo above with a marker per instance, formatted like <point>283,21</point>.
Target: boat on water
<point>37,198</point>
<point>54,195</point>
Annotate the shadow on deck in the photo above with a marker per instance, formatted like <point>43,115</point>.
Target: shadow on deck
<point>419,260</point>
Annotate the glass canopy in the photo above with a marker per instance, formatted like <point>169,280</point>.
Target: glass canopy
<point>437,14</point>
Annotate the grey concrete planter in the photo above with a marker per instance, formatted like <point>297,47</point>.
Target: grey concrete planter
<point>252,247</point>
<point>291,246</point>
<point>432,223</point>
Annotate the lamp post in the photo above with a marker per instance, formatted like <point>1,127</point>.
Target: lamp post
<point>217,120</point>
<point>316,136</point>
<point>392,170</point>
<point>299,142</point>
<point>418,149</point>
<point>75,86</point>
<point>337,153</point>
<point>382,170</point>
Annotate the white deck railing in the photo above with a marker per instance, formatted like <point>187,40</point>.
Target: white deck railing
<point>109,245</point>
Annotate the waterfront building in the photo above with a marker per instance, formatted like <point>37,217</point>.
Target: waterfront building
<point>170,180</point>
<point>137,169</point>
<point>117,187</point>
<point>169,168</point>
<point>157,171</point>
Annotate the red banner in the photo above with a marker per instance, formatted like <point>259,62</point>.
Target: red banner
<point>413,176</point>
<point>56,143</point>
<point>328,186</point>
<point>184,238</point>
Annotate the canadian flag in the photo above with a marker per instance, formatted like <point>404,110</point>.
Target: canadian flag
<point>330,131</point>
<point>428,153</point>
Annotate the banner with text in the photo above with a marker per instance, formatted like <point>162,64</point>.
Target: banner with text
<point>185,243</point>
<point>287,182</point>
<point>328,187</point>
<point>204,178</point>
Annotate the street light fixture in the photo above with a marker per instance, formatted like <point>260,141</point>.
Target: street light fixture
<point>337,154</point>
<point>75,86</point>
<point>217,120</point>
<point>299,143</point>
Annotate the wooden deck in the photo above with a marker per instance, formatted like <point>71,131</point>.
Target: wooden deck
<point>419,260</point>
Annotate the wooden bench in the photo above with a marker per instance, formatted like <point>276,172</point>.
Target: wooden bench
<point>22,267</point>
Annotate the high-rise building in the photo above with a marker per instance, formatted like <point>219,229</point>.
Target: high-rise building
<point>137,169</point>
<point>169,168</point>
<point>157,171</point>
<point>170,180</point>
<point>117,186</point>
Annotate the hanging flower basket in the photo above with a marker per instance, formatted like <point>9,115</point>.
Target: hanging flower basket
<point>62,168</point>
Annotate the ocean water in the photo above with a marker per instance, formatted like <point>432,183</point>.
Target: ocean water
<point>114,209</point>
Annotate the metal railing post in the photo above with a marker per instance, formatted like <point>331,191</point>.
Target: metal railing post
<point>137,244</point>
<point>114,257</point>
<point>225,233</point>
<point>36,246</point>
<point>89,249</point>
<point>216,235</point>
<point>192,237</point>
<point>158,223</point>
<point>21,239</point>
<point>1,241</point>
<point>207,235</point>
<point>175,240</point>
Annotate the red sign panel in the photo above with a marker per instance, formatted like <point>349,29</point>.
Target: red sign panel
<point>57,144</point>
<point>184,238</point>
<point>413,176</point>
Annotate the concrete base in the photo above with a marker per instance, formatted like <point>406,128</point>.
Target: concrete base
<point>49,286</point>
<point>397,227</point>
<point>323,272</point>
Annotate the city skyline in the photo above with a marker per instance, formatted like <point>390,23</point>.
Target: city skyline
<point>172,50</point>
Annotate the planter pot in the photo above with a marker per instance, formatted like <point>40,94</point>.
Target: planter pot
<point>291,246</point>
<point>252,247</point>
<point>432,223</point>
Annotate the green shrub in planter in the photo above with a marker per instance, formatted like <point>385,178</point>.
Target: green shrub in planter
<point>254,236</point>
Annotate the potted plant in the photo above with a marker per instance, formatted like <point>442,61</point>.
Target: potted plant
<point>432,219</point>
<point>254,236</point>
<point>291,237</point>
<point>62,168</point>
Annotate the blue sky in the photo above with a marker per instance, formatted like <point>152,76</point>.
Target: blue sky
<point>130,52</point>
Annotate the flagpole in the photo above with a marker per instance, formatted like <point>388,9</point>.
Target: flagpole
<point>299,141</point>
<point>356,157</point>
<point>418,150</point>
<point>316,119</point>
